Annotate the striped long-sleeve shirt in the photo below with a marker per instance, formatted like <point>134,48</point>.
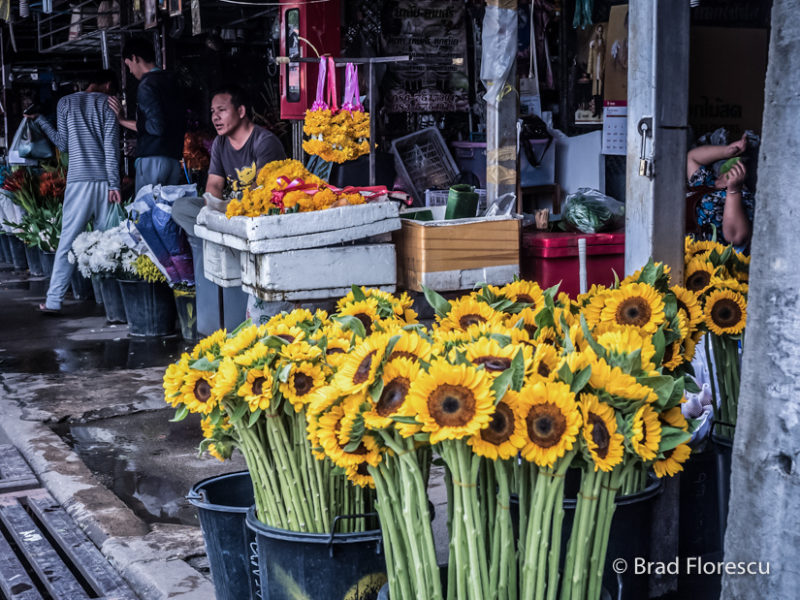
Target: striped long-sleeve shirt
<point>87,128</point>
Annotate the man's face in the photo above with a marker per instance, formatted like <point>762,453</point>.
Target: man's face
<point>135,66</point>
<point>224,116</point>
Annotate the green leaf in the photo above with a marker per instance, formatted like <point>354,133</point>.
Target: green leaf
<point>581,379</point>
<point>568,345</point>
<point>565,374</point>
<point>649,273</point>
<point>275,342</point>
<point>376,390</point>
<point>203,364</point>
<point>351,323</point>
<point>254,416</point>
<point>671,437</point>
<point>659,342</point>
<point>517,371</point>
<point>616,279</point>
<point>180,414</point>
<point>437,302</point>
<point>544,318</point>
<point>352,446</point>
<point>662,385</point>
<point>690,385</point>
<point>598,349</point>
<point>284,372</point>
<point>358,293</point>
<point>503,340</point>
<point>239,412</point>
<point>243,325</point>
<point>404,420</point>
<point>670,306</point>
<point>500,384</point>
<point>552,291</point>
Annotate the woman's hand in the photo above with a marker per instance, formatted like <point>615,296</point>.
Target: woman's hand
<point>737,147</point>
<point>734,179</point>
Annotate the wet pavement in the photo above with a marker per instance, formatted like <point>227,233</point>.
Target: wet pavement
<point>100,391</point>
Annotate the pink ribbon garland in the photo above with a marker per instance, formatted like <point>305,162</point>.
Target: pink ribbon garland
<point>319,103</point>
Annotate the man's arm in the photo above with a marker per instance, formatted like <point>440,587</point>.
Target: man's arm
<point>150,104</point>
<point>58,135</point>
<point>116,107</point>
<point>215,185</point>
<point>111,148</point>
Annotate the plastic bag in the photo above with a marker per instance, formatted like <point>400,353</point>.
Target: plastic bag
<point>116,214</point>
<point>499,50</point>
<point>590,211</point>
<point>14,157</point>
<point>32,143</point>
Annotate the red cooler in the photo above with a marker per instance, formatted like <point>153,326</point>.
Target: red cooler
<point>552,257</point>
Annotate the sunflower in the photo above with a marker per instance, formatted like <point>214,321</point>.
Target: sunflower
<point>698,275</point>
<point>637,305</point>
<point>365,311</point>
<point>583,299</point>
<point>304,378</point>
<point>594,306</point>
<point>173,380</point>
<point>257,389</point>
<point>336,351</point>
<point>411,345</point>
<point>689,347</point>
<point>546,360</point>
<point>466,312</point>
<point>621,341</point>
<point>359,475</point>
<point>527,292</point>
<point>452,401</point>
<point>725,312</point>
<point>209,344</point>
<point>397,377</point>
<point>674,418</point>
<point>240,342</point>
<point>226,379</point>
<point>547,335</point>
<point>322,398</point>
<point>618,383</point>
<point>689,304</point>
<point>646,434</point>
<point>299,316</point>
<point>673,460</point>
<point>196,392</point>
<point>505,434</point>
<point>285,332</point>
<point>300,350</point>
<point>552,421</point>
<point>730,283</point>
<point>600,433</point>
<point>327,432</point>
<point>488,353</point>
<point>528,317</point>
<point>358,371</point>
<point>673,356</point>
<point>258,353</point>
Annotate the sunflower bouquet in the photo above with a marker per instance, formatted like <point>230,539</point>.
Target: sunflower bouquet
<point>719,276</point>
<point>285,186</point>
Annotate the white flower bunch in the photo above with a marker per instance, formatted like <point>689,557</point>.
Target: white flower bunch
<point>105,252</point>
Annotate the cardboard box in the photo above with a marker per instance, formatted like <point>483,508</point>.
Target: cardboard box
<point>457,254</point>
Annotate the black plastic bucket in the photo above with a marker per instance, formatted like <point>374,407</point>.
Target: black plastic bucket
<point>149,308</point>
<point>318,566</point>
<point>186,305</point>
<point>48,259</point>
<point>222,504</point>
<point>17,253</point>
<point>5,249</point>
<point>97,288</point>
<point>112,300</point>
<point>34,258</point>
<point>81,286</point>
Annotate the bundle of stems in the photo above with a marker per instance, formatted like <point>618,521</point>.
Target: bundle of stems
<point>722,356</point>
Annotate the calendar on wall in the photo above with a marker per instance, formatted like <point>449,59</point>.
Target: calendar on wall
<point>615,129</point>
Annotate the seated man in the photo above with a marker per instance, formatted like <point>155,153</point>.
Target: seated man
<point>240,150</point>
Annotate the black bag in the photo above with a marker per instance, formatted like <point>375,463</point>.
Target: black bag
<point>534,129</point>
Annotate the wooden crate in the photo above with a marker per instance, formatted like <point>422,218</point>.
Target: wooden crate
<point>457,254</point>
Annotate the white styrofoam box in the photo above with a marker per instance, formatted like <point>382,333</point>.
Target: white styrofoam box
<point>300,274</point>
<point>221,264</point>
<point>324,294</point>
<point>450,281</point>
<point>439,198</point>
<point>300,225</point>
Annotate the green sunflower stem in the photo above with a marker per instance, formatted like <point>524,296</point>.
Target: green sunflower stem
<point>588,529</point>
<point>554,507</point>
<point>451,527</point>
<point>503,539</point>
<point>400,584</point>
<point>711,378</point>
<point>536,511</point>
<point>478,577</point>
<point>604,530</point>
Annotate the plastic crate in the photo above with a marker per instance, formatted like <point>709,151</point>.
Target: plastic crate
<point>424,162</point>
<point>439,198</point>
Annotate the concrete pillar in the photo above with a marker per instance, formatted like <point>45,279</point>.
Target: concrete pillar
<point>764,516</point>
<point>658,88</point>
<point>502,163</point>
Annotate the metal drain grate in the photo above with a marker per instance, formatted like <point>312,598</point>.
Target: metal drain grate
<point>15,474</point>
<point>44,555</point>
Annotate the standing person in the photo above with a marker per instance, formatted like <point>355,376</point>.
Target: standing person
<point>159,117</point>
<point>87,129</point>
<point>238,153</point>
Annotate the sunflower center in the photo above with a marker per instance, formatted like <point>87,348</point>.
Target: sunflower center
<point>698,280</point>
<point>471,319</point>
<point>366,321</point>
<point>334,351</point>
<point>531,329</point>
<point>633,311</point>
<point>285,336</point>
<point>600,435</point>
<point>452,405</point>
<point>402,354</point>
<point>362,372</point>
<point>726,313</point>
<point>493,363</point>
<point>501,427</point>
<point>392,397</point>
<point>302,384</point>
<point>682,306</point>
<point>258,385</point>
<point>546,424</point>
<point>525,298</point>
<point>669,351</point>
<point>202,390</point>
<point>543,369</point>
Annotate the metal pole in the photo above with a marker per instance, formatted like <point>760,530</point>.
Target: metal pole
<point>373,104</point>
<point>104,47</point>
<point>5,101</point>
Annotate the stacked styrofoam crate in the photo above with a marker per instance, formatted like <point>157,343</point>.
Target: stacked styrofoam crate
<point>301,256</point>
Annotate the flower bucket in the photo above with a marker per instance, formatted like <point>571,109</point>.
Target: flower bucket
<point>5,249</point>
<point>48,258</point>
<point>149,308</point>
<point>97,288</point>
<point>318,566</point>
<point>112,300</point>
<point>186,305</point>
<point>18,253</point>
<point>222,504</point>
<point>34,258</point>
<point>82,287</point>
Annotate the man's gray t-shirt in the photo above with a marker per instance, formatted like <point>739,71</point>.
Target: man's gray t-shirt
<point>240,167</point>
